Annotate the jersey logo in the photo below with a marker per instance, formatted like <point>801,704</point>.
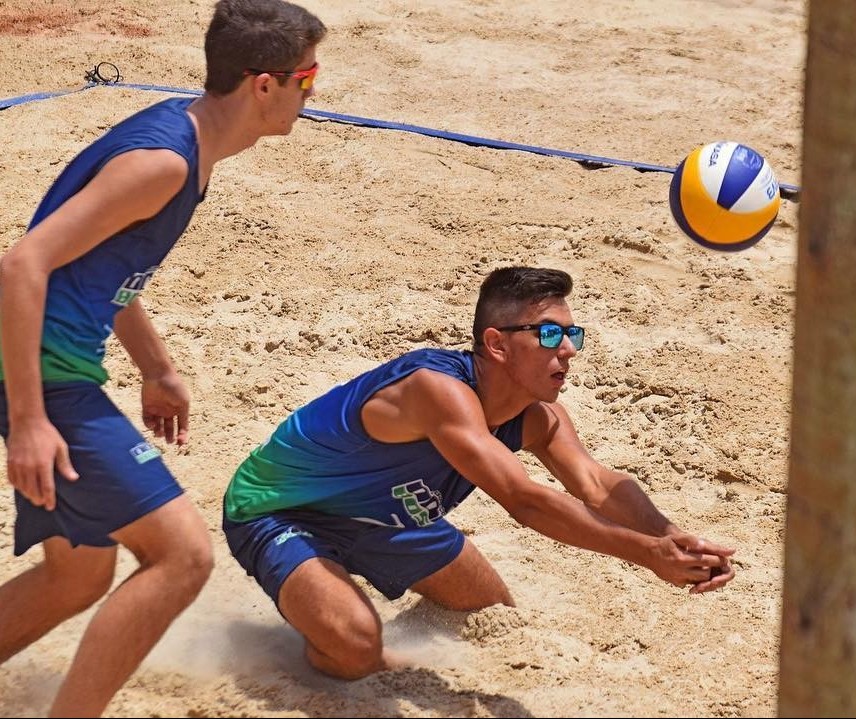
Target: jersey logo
<point>143,452</point>
<point>424,505</point>
<point>132,286</point>
<point>290,533</point>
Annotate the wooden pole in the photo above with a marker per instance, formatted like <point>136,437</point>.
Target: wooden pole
<point>818,640</point>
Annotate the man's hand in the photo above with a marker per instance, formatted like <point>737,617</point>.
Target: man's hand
<point>34,448</point>
<point>166,407</point>
<point>719,574</point>
<point>719,577</point>
<point>682,559</point>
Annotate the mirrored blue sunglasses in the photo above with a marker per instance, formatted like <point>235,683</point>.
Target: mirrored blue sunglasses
<point>550,334</point>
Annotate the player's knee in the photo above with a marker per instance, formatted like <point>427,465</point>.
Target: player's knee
<point>200,561</point>
<point>191,564</point>
<point>354,650</point>
<point>503,596</point>
<point>365,649</point>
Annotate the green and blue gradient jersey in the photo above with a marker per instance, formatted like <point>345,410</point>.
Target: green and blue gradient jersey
<point>84,296</point>
<point>321,457</point>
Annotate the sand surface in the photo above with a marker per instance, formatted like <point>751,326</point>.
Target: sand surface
<point>318,255</point>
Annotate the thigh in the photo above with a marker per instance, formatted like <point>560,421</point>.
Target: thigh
<point>271,547</point>
<point>468,582</point>
<point>79,566</point>
<point>394,560</point>
<point>321,601</point>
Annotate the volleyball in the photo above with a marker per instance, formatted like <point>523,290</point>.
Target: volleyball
<point>724,196</point>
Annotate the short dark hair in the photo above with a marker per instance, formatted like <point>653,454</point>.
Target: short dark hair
<point>507,291</point>
<point>263,34</point>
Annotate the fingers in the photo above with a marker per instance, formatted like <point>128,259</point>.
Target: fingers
<point>718,549</point>
<point>34,477</point>
<point>36,483</point>
<point>183,426</point>
<point>174,428</point>
<point>154,423</point>
<point>64,465</point>
<point>26,481</point>
<point>45,489</point>
<point>168,429</point>
<point>705,546</point>
<point>703,571</point>
<point>719,577</point>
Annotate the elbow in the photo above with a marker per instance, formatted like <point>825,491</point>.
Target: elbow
<point>18,264</point>
<point>7,268</point>
<point>4,268</point>
<point>527,504</point>
<point>592,491</point>
<point>13,264</point>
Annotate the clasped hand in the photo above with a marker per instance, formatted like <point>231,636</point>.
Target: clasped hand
<point>688,560</point>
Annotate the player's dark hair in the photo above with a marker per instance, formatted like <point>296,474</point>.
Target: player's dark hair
<point>506,292</point>
<point>261,34</point>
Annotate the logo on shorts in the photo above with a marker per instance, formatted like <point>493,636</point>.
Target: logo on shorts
<point>143,452</point>
<point>132,286</point>
<point>424,505</point>
<point>291,533</point>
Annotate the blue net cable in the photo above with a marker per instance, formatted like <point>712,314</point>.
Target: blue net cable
<point>789,192</point>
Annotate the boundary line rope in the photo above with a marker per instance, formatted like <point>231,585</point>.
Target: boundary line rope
<point>789,192</point>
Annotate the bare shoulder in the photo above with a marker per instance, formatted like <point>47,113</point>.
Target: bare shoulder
<point>410,408</point>
<point>428,387</point>
<point>136,184</point>
<point>543,421</point>
<point>147,165</point>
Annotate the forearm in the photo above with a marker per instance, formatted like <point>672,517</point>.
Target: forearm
<point>564,518</point>
<point>625,502</point>
<point>22,303</point>
<point>138,336</point>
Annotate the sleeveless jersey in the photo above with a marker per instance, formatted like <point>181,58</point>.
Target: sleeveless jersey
<point>84,296</point>
<point>321,457</point>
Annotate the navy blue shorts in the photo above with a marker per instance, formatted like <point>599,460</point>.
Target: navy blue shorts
<point>392,560</point>
<point>122,477</point>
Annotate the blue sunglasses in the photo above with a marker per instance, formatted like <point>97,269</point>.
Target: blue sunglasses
<point>550,334</point>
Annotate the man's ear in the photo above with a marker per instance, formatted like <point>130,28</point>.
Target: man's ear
<point>494,344</point>
<point>261,84</point>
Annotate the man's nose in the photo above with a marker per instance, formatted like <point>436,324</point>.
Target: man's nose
<point>566,347</point>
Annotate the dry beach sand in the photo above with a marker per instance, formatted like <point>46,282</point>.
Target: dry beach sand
<point>318,255</point>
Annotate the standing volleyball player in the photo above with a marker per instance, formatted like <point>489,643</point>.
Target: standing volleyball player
<point>85,479</point>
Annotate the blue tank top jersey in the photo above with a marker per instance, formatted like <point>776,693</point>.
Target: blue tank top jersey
<point>321,457</point>
<point>84,296</point>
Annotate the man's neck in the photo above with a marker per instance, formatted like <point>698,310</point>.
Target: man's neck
<point>500,400</point>
<point>222,126</point>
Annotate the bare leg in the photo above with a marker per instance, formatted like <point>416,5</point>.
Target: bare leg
<point>65,583</point>
<point>174,551</point>
<point>468,582</point>
<point>342,629</point>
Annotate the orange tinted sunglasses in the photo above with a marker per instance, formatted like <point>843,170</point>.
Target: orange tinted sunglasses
<point>306,77</point>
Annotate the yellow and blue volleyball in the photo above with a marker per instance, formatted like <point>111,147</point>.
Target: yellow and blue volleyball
<point>725,196</point>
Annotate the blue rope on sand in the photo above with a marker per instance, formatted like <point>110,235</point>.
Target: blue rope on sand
<point>789,192</point>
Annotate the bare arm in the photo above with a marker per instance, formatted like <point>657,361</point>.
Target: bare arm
<point>130,188</point>
<point>165,401</point>
<point>429,404</point>
<point>550,435</point>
